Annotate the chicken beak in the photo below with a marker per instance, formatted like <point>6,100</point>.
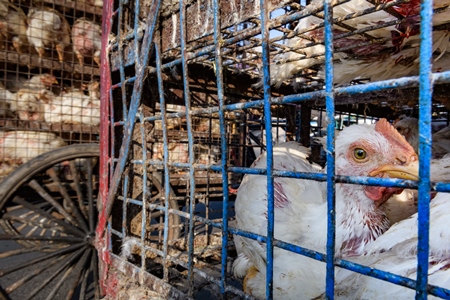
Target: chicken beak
<point>409,171</point>
<point>55,81</point>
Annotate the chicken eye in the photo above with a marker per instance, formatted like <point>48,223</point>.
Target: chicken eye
<point>359,153</point>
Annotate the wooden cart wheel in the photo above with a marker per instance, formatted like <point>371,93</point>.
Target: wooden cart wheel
<point>156,198</point>
<point>48,216</point>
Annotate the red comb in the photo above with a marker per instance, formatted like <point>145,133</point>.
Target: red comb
<point>392,135</point>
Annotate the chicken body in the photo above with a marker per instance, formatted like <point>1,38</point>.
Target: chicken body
<point>98,3</point>
<point>48,29</point>
<point>87,40</point>
<point>29,105</point>
<point>17,147</point>
<point>396,252</point>
<point>14,83</point>
<point>73,108</point>
<point>398,56</point>
<point>290,63</point>
<point>13,25</point>
<point>301,207</point>
<point>40,82</point>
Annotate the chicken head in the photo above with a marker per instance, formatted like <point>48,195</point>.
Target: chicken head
<point>382,152</point>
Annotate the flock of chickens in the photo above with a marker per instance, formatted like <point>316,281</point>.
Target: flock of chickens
<point>45,29</point>
<point>364,233</point>
<point>33,99</point>
<point>385,47</point>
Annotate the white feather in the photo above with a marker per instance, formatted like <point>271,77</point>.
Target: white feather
<point>301,210</point>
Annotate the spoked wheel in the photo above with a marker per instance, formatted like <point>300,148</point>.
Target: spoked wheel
<point>155,219</point>
<point>48,216</point>
<point>156,196</point>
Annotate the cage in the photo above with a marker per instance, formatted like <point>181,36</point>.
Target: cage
<point>257,74</point>
<point>203,188</point>
<point>50,67</point>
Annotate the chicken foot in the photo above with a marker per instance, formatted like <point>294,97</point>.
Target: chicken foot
<point>79,57</point>
<point>17,43</point>
<point>41,52</point>
<point>97,59</point>
<point>60,50</point>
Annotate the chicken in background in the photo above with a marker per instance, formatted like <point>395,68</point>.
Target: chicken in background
<point>93,89</point>
<point>13,25</point>
<point>41,81</point>
<point>15,82</point>
<point>172,124</point>
<point>98,3</point>
<point>178,152</point>
<point>29,104</point>
<point>87,40</point>
<point>398,56</point>
<point>28,101</point>
<point>409,128</point>
<point>75,107</point>
<point>47,29</point>
<point>207,125</point>
<point>18,147</point>
<point>206,155</point>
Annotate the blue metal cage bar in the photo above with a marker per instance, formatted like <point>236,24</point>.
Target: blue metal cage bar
<point>216,53</point>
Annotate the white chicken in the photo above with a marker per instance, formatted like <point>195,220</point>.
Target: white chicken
<point>13,25</point>
<point>178,152</point>
<point>29,104</point>
<point>74,107</point>
<point>396,252</point>
<point>48,28</point>
<point>87,40</point>
<point>376,150</point>
<point>17,147</point>
<point>14,82</point>
<point>40,82</point>
<point>409,128</point>
<point>372,60</point>
<point>98,3</point>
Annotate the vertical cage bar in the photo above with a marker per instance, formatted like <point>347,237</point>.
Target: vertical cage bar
<point>162,101</point>
<point>112,134</point>
<point>134,103</point>
<point>187,101</point>
<point>269,145</point>
<point>135,30</point>
<point>105,143</point>
<point>329,99</point>
<point>145,191</point>
<point>425,90</point>
<point>124,205</point>
<point>223,142</point>
<point>121,62</point>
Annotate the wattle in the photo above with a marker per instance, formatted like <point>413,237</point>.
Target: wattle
<point>380,193</point>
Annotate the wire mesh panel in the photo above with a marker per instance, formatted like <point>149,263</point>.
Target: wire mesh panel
<point>49,79</point>
<point>209,190</point>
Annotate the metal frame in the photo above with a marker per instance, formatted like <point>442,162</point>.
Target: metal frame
<point>112,167</point>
